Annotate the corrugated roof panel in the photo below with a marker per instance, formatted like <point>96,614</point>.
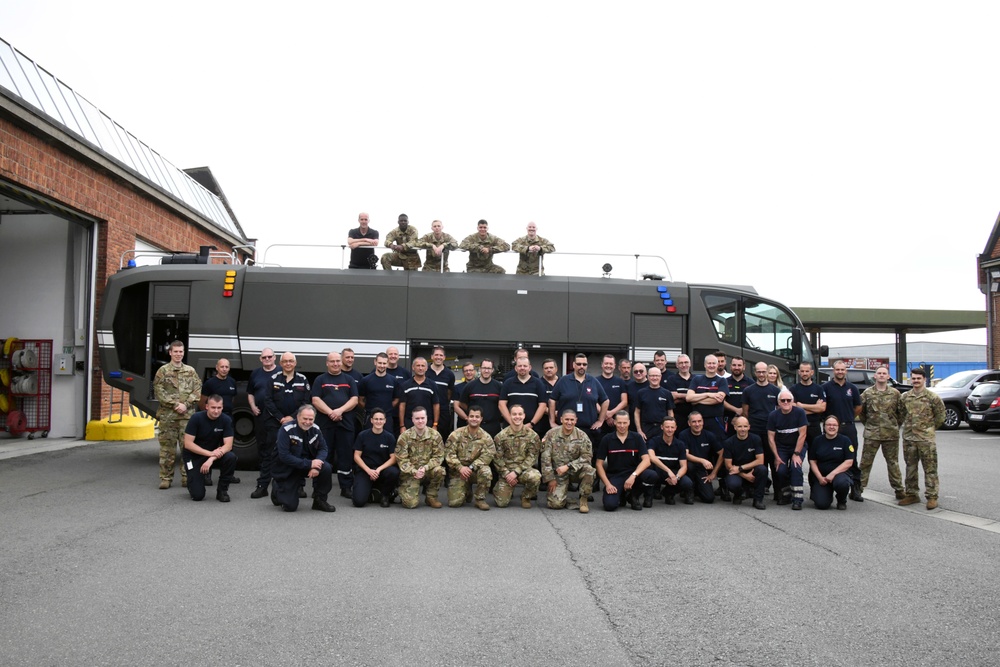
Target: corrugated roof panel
<point>37,88</point>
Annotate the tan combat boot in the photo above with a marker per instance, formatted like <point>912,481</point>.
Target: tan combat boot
<point>481,505</point>
<point>433,502</point>
<point>525,503</point>
<point>584,509</point>
<point>932,503</point>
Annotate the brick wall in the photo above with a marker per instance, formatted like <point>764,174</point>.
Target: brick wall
<point>38,165</point>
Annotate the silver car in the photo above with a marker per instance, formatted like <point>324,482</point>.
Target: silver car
<point>955,388</point>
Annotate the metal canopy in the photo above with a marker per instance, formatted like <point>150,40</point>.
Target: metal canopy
<point>886,320</point>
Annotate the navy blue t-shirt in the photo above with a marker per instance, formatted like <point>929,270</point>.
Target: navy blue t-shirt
<point>379,393</point>
<point>526,394</point>
<point>621,456</point>
<point>418,394</point>
<point>828,453</point>
<point>736,389</point>
<point>614,389</point>
<point>786,427</point>
<point>809,394</point>
<point>704,445</point>
<point>375,448</point>
<point>335,391</point>
<point>571,394</point>
<point>742,452</point>
<point>671,455</point>
<point>841,401</point>
<point>209,433</point>
<point>444,384</point>
<point>760,402</point>
<point>702,384</point>
<point>653,404</point>
<point>224,388</point>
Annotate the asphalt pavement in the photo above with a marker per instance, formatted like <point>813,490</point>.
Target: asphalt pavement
<point>99,567</point>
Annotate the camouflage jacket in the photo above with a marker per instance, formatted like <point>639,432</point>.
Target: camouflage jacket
<point>407,239</point>
<point>433,262</point>
<point>516,452</point>
<point>473,244</point>
<point>574,450</point>
<point>176,385</point>
<point>465,449</point>
<point>414,451</point>
<point>880,413</point>
<point>529,261</point>
<point>921,414</point>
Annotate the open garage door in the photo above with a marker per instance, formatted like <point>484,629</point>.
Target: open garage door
<point>47,269</point>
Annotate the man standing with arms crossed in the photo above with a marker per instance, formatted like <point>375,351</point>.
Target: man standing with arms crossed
<point>922,413</point>
<point>880,410</point>
<point>810,397</point>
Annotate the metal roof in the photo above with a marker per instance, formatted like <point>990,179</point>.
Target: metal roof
<point>23,80</point>
<point>888,320</point>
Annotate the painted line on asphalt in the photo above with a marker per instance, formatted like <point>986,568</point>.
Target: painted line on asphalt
<point>969,520</point>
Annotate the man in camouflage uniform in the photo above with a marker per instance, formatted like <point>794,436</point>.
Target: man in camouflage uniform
<point>468,453</point>
<point>921,413</point>
<point>481,247</point>
<point>517,447</point>
<point>419,453</point>
<point>177,387</point>
<point>402,241</point>
<point>566,455</point>
<point>880,415</point>
<point>531,248</point>
<point>438,245</point>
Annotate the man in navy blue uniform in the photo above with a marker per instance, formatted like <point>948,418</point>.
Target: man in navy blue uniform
<point>830,459</point>
<point>811,397</point>
<point>708,392</point>
<point>208,443</point>
<point>444,383</point>
<point>667,466</point>
<point>257,388</point>
<point>401,373</point>
<point>289,391</point>
<point>621,457</point>
<point>759,401</point>
<point>639,381</point>
<point>786,436</point>
<point>525,390</point>
<point>221,384</point>
<point>583,394</point>
<point>550,376</point>
<point>347,366</point>
<point>418,392</point>
<point>738,382</point>
<point>843,400</point>
<point>704,454</point>
<point>378,390</point>
<point>744,460</point>
<point>301,455</point>
<point>678,383</point>
<point>616,391</point>
<point>335,395</point>
<point>485,394</point>
<point>652,404</point>
<point>375,459</point>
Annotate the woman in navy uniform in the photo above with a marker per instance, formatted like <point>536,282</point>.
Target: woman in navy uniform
<point>375,462</point>
<point>831,456</point>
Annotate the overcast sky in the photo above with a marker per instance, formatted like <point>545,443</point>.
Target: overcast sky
<point>829,154</point>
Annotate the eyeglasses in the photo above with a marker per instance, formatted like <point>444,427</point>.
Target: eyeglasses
<point>784,400</point>
<point>267,356</point>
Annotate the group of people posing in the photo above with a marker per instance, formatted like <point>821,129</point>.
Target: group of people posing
<point>404,242</point>
<point>638,434</point>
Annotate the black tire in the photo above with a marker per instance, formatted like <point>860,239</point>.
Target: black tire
<point>953,416</point>
<point>980,428</point>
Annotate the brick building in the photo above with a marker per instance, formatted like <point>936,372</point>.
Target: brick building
<point>79,195</point>
<point>988,270</point>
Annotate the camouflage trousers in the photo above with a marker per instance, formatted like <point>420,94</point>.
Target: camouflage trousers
<point>409,261</point>
<point>171,433</point>
<point>531,479</point>
<point>923,453</point>
<point>458,488</point>
<point>487,268</point>
<point>409,486</point>
<point>890,452</point>
<point>556,500</point>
